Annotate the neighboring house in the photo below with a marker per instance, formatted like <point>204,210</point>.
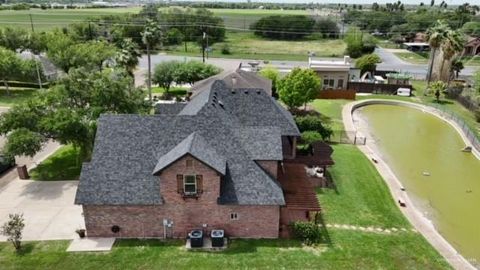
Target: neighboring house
<point>472,47</point>
<point>420,37</point>
<point>49,69</point>
<point>213,163</point>
<point>334,73</point>
<point>234,79</point>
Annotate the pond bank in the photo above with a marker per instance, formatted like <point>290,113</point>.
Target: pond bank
<point>413,214</point>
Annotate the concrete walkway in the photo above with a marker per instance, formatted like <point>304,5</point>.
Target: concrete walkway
<point>371,229</point>
<point>91,244</point>
<point>422,224</point>
<point>47,207</point>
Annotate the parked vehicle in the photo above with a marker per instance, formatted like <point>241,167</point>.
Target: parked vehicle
<point>6,162</point>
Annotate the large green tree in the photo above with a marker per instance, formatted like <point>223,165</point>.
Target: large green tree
<point>272,74</point>
<point>368,62</point>
<point>299,87</point>
<point>10,66</point>
<point>68,111</point>
<point>193,71</point>
<point>164,74</point>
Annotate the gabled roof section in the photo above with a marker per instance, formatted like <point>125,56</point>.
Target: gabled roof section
<point>261,143</point>
<point>195,145</point>
<point>234,79</point>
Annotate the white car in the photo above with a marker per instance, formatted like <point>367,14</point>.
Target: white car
<point>404,92</point>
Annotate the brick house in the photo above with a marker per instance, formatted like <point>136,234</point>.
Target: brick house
<point>214,163</point>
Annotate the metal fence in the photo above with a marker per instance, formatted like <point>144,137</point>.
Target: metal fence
<point>472,136</point>
<point>343,136</point>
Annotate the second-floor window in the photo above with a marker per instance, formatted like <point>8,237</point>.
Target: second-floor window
<point>190,184</point>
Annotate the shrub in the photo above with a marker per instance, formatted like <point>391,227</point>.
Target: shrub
<point>313,123</point>
<point>477,115</point>
<point>225,49</point>
<point>13,229</point>
<point>308,232</point>
<point>310,137</point>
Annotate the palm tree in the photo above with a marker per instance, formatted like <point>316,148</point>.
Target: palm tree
<point>435,36</point>
<point>128,56</point>
<point>452,44</point>
<point>151,36</point>
<point>456,67</point>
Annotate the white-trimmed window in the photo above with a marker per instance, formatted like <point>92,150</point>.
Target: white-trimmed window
<point>189,184</point>
<point>233,216</point>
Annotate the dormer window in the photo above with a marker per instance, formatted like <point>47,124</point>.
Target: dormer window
<point>189,184</point>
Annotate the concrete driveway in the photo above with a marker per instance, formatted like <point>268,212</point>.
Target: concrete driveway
<point>47,207</point>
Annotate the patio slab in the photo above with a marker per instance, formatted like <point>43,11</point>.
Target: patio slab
<point>91,244</point>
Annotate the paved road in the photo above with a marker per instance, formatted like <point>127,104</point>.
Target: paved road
<point>392,62</point>
<point>389,62</point>
<point>12,174</point>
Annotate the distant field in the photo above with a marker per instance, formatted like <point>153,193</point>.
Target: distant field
<point>247,45</point>
<point>51,18</point>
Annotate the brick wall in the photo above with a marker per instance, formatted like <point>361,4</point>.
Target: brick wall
<point>147,221</point>
<point>271,166</point>
<point>186,213</point>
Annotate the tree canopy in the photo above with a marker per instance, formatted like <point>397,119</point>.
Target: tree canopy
<point>299,87</point>
<point>368,62</point>
<point>284,26</point>
<point>168,72</point>
<point>68,111</point>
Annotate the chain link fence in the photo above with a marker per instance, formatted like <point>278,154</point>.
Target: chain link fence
<point>472,135</point>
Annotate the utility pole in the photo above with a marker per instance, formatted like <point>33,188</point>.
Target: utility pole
<point>33,56</point>
<point>207,46</point>
<point>149,83</point>
<point>203,47</point>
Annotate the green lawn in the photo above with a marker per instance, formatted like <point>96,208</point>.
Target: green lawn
<point>16,96</point>
<point>361,196</point>
<point>411,57</point>
<point>62,165</point>
<point>350,250</point>
<point>247,45</point>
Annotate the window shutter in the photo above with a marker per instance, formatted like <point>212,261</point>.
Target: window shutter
<point>199,183</point>
<point>179,183</point>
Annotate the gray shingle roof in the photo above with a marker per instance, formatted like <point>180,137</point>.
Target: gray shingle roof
<point>234,79</point>
<point>231,136</point>
<point>196,146</point>
<point>169,109</point>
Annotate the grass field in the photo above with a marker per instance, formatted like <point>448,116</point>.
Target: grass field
<point>16,96</point>
<point>61,165</point>
<point>247,45</point>
<point>51,18</point>
<point>412,57</point>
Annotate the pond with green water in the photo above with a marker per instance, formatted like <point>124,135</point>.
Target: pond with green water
<point>425,153</point>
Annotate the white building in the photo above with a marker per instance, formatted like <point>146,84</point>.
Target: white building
<point>334,73</point>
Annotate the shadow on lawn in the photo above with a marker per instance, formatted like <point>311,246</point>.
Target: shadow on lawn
<point>63,165</point>
<point>25,249</point>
